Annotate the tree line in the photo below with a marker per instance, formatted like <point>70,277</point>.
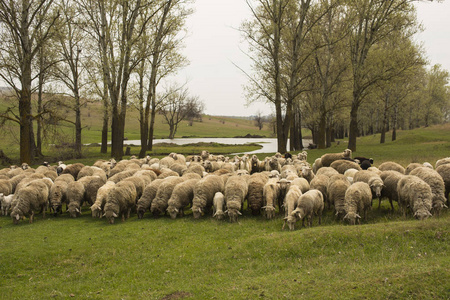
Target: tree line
<point>59,53</point>
<point>341,68</point>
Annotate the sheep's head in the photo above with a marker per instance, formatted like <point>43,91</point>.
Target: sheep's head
<point>290,221</point>
<point>269,211</point>
<point>422,214</point>
<point>233,214</point>
<point>173,212</point>
<point>347,153</point>
<point>110,216</point>
<point>74,210</point>
<point>197,212</point>
<point>140,211</point>
<point>57,208</point>
<point>96,211</point>
<point>16,215</point>
<point>376,187</point>
<point>219,215</point>
<point>352,217</point>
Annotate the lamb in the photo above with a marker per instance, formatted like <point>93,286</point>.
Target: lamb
<point>437,186</point>
<point>358,200</point>
<point>204,192</point>
<point>373,180</point>
<point>271,192</point>
<point>255,192</point>
<point>444,171</point>
<point>341,165</point>
<point>218,206</point>
<point>336,194</point>
<point>33,197</point>
<point>181,197</point>
<point>390,165</point>
<point>73,169</point>
<point>160,203</point>
<point>390,181</point>
<point>236,191</point>
<point>416,194</point>
<point>6,203</point>
<point>365,163</point>
<point>290,203</point>
<point>147,197</point>
<point>328,158</point>
<point>120,201</point>
<point>99,204</point>
<point>309,204</point>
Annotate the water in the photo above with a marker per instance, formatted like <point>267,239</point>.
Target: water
<point>269,145</point>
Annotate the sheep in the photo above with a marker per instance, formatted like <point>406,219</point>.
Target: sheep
<point>437,186</point>
<point>120,201</point>
<point>284,185</point>
<point>187,176</point>
<point>5,187</point>
<point>139,184</point>
<point>179,168</point>
<point>60,168</point>
<point>73,169</point>
<point>365,163</point>
<point>146,175</point>
<point>33,197</point>
<point>147,197</point>
<point>235,193</point>
<point>320,182</point>
<point>256,184</point>
<point>178,158</point>
<point>91,171</point>
<point>390,181</point>
<point>302,155</point>
<point>6,203</point>
<point>309,204</point>
<point>302,183</point>
<point>328,158</point>
<point>99,204</point>
<point>167,173</point>
<point>218,206</point>
<point>211,166</point>
<point>273,164</point>
<point>350,173</point>
<point>287,170</point>
<point>441,162</point>
<point>358,200</point>
<point>411,167</point>
<point>444,171</point>
<point>14,172</point>
<point>204,155</point>
<point>336,194</point>
<point>373,180</point>
<point>341,165</point>
<point>195,168</point>
<point>58,196</point>
<point>307,173</point>
<point>290,203</point>
<point>204,192</point>
<point>375,170</point>
<point>66,178</point>
<point>75,195</point>
<point>181,197</point>
<point>271,192</point>
<point>160,203</point>
<point>327,171</point>
<point>122,175</point>
<point>390,165</point>
<point>166,162</point>
<point>416,194</point>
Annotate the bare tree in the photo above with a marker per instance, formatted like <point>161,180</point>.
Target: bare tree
<point>259,119</point>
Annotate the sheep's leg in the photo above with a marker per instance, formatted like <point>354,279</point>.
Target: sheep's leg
<point>379,202</point>
<point>392,205</point>
<point>320,219</point>
<point>128,213</point>
<point>43,211</point>
<point>31,217</point>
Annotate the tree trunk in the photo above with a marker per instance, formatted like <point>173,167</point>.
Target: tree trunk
<point>353,128</point>
<point>104,147</point>
<point>394,125</point>
<point>77,125</point>
<point>322,131</point>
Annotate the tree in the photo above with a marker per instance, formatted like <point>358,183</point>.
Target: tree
<point>25,26</point>
<point>177,105</point>
<point>259,119</point>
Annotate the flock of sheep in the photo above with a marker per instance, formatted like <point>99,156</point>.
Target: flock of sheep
<point>218,186</point>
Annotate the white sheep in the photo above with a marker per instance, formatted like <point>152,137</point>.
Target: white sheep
<point>204,192</point>
<point>328,158</point>
<point>373,180</point>
<point>120,201</point>
<point>290,203</point>
<point>31,198</point>
<point>437,185</point>
<point>218,206</point>
<point>160,203</point>
<point>309,204</point>
<point>181,197</point>
<point>358,200</point>
<point>6,203</point>
<point>235,193</point>
<point>271,192</point>
<point>416,194</point>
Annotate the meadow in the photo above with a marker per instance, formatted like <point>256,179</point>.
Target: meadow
<point>388,256</point>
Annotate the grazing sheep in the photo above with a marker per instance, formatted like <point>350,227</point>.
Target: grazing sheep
<point>329,158</point>
<point>14,172</point>
<point>6,203</point>
<point>31,198</point>
<point>309,204</point>
<point>58,196</point>
<point>358,200</point>
<point>390,181</point>
<point>166,162</point>
<point>91,171</point>
<point>320,182</point>
<point>16,180</point>
<point>373,180</point>
<point>290,203</point>
<point>5,187</point>
<point>444,171</point>
<point>441,162</point>
<point>75,195</point>
<point>187,176</point>
<point>271,192</point>
<point>327,171</point>
<point>302,183</point>
<point>375,170</point>
<point>218,206</point>
<point>91,186</point>
<point>139,184</point>
<point>204,192</point>
<point>350,173</point>
<point>100,201</point>
<point>122,175</point>
<point>167,173</point>
<point>437,185</point>
<point>256,184</point>
<point>416,194</point>
<point>390,165</point>
<point>179,168</point>
<point>181,197</point>
<point>411,167</point>
<point>342,165</point>
<point>73,169</point>
<point>120,201</point>
<point>144,203</point>
<point>178,158</point>
<point>160,203</point>
<point>60,168</point>
<point>146,175</point>
<point>336,194</point>
<point>235,193</point>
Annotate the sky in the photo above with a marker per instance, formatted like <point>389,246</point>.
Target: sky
<point>214,46</point>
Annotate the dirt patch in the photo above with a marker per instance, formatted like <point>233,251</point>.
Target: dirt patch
<point>177,295</point>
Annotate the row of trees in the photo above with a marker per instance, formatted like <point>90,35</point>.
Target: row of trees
<point>114,51</point>
<point>338,65</point>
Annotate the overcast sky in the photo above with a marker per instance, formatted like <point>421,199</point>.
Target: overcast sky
<point>214,44</point>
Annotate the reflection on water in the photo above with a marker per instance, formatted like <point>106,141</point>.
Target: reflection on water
<point>268,145</point>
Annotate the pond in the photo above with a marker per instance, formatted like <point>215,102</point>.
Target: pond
<point>269,145</point>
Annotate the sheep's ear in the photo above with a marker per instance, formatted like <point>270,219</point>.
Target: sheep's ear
<point>239,213</point>
<point>445,206</point>
<point>299,215</point>
<point>337,213</point>
<point>78,211</point>
<point>17,217</point>
<point>115,215</point>
<point>177,211</point>
<point>104,215</point>
<point>429,214</point>
<point>346,216</point>
<point>358,216</point>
